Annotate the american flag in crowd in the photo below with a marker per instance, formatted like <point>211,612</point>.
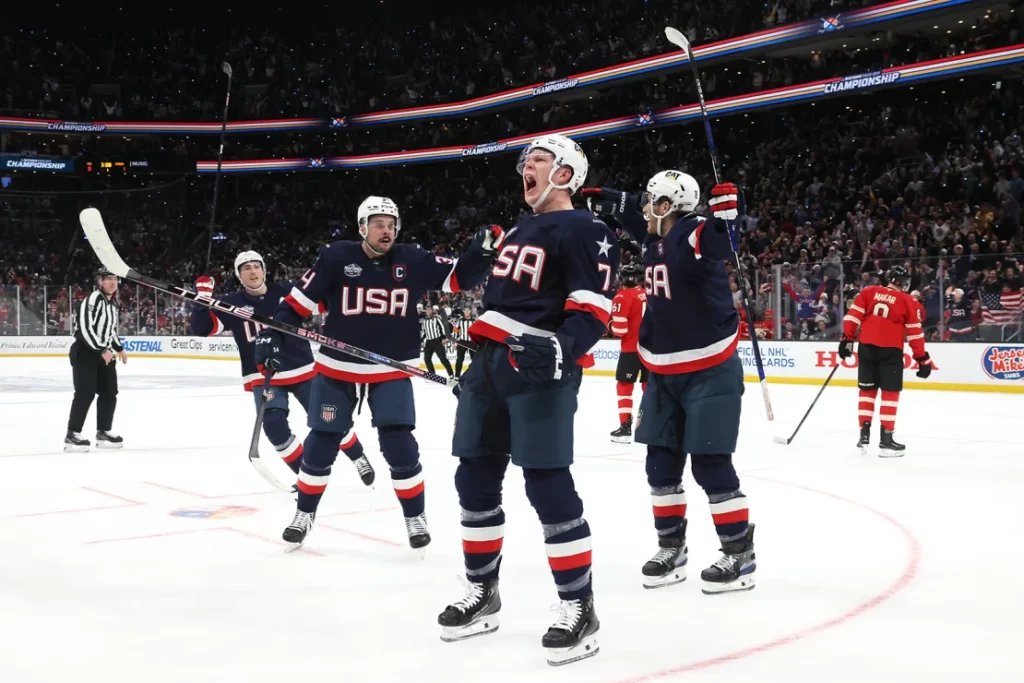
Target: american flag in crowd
<point>1002,308</point>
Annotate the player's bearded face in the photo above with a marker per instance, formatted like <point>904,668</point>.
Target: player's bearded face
<point>252,275</point>
<point>380,233</point>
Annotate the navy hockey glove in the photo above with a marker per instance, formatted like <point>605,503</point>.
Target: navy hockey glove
<point>925,366</point>
<point>541,359</point>
<point>619,207</point>
<point>269,349</point>
<point>845,348</point>
<point>489,239</point>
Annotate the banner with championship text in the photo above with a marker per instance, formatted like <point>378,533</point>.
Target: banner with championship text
<point>959,367</point>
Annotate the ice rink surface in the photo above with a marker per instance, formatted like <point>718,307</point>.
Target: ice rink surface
<point>163,561</point>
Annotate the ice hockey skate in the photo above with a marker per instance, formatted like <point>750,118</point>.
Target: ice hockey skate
<point>865,438</point>
<point>106,439</point>
<point>419,533</point>
<point>888,447</point>
<point>295,533</point>
<point>476,614</point>
<point>667,567</point>
<point>74,443</point>
<point>624,434</point>
<point>573,636</point>
<point>365,470</point>
<point>734,570</point>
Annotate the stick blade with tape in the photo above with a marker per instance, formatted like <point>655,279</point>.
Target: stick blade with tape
<point>99,240</point>
<point>781,439</point>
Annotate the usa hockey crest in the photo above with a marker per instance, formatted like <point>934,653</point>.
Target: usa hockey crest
<point>328,413</point>
<point>398,272</point>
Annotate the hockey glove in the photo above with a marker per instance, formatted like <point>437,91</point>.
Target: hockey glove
<point>540,360</point>
<point>726,204</point>
<point>269,350</point>
<point>620,207</point>
<point>489,239</point>
<point>925,366</point>
<point>204,286</point>
<point>845,348</point>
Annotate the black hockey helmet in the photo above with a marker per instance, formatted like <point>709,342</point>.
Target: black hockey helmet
<point>630,274</point>
<point>899,276</point>
<point>102,272</point>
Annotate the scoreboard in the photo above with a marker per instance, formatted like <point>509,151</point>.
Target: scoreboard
<point>156,163</point>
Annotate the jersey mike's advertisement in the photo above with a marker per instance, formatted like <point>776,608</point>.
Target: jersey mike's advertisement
<point>958,367</point>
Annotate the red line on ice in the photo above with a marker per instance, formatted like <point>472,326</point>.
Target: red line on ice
<point>904,579</point>
<point>203,495</point>
<point>128,503</point>
<point>363,536</point>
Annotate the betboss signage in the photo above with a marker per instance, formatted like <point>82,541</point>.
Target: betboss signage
<point>988,367</point>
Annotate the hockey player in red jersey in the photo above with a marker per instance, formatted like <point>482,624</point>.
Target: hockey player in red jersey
<point>546,304</point>
<point>628,308</point>
<point>879,318</point>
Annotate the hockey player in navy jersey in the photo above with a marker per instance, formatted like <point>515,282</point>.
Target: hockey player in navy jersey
<point>296,372</point>
<point>370,289</point>
<point>546,304</point>
<point>688,341</point>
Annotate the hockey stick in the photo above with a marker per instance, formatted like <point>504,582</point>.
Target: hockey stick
<point>226,68</point>
<point>99,240</point>
<point>254,445</point>
<point>785,441</point>
<point>679,40</point>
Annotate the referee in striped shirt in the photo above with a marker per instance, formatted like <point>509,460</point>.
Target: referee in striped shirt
<point>94,367</point>
<point>460,332</point>
<point>432,333</point>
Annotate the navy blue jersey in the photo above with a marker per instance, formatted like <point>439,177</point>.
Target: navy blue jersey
<point>371,302</point>
<point>690,323</point>
<point>298,359</point>
<point>554,274</point>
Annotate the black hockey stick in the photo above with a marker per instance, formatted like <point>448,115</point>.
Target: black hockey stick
<point>226,68</point>
<point>679,40</point>
<point>785,441</point>
<point>99,240</point>
<point>254,445</point>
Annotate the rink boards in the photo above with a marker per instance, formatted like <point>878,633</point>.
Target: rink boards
<point>960,367</point>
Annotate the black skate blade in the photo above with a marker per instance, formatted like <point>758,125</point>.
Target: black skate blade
<point>454,634</point>
<point>586,648</point>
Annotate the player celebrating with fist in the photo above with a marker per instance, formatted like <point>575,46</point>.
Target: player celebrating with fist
<point>545,306</point>
<point>296,372</point>
<point>879,318</point>
<point>688,341</point>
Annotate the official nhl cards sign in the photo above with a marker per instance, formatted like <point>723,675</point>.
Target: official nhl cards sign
<point>868,80</point>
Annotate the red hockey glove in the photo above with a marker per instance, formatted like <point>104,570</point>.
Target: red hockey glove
<point>204,285</point>
<point>725,201</point>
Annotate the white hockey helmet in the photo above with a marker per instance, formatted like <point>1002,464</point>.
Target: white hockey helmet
<point>680,189</point>
<point>248,257</point>
<point>377,206</point>
<point>567,153</point>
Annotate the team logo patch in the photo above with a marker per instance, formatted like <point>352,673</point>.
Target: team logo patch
<point>398,272</point>
<point>352,270</point>
<point>639,416</point>
<point>661,250</point>
<point>268,394</point>
<point>328,413</point>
